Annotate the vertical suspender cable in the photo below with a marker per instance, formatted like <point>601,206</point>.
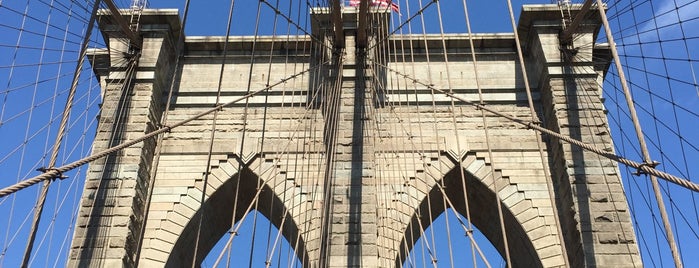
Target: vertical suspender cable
<point>641,139</point>
<point>179,54</point>
<point>61,133</point>
<point>212,136</point>
<point>544,163</point>
<point>486,131</point>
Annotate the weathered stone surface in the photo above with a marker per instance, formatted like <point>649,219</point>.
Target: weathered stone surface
<point>394,161</point>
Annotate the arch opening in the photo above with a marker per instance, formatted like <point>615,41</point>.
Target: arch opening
<point>446,241</point>
<point>257,242</point>
<point>484,217</point>
<point>219,216</point>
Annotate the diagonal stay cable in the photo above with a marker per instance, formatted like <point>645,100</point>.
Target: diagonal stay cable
<point>406,22</point>
<point>295,24</point>
<point>61,130</point>
<point>641,167</point>
<point>56,172</point>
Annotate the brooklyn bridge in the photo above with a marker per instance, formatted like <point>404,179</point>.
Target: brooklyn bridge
<point>363,133</point>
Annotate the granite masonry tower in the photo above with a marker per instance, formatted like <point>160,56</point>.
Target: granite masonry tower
<point>343,195</point>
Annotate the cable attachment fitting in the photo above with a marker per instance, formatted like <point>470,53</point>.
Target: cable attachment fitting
<point>640,171</point>
<point>47,170</point>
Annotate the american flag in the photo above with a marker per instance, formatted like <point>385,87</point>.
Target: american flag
<point>378,3</point>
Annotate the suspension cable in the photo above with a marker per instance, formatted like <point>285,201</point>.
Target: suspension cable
<point>641,167</point>
<point>57,172</point>
<point>641,139</point>
<point>61,134</point>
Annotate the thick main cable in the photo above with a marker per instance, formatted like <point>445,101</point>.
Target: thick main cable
<point>56,172</point>
<point>641,167</point>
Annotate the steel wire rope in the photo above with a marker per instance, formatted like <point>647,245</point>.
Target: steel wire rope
<point>419,212</point>
<point>49,79</point>
<point>408,21</point>
<point>378,88</point>
<point>238,225</point>
<point>269,254</point>
<point>431,251</point>
<point>456,136</point>
<point>661,40</point>
<point>624,9</point>
<point>117,117</point>
<point>289,20</point>
<point>691,66</point>
<point>42,196</point>
<point>600,114</point>
<point>43,22</point>
<point>587,83</point>
<point>372,120</point>
<point>435,182</point>
<point>309,131</point>
<point>38,64</point>
<point>179,48</point>
<point>375,25</point>
<point>406,187</point>
<point>653,112</point>
<point>243,133</point>
<point>628,173</point>
<point>332,110</point>
<point>245,214</point>
<point>441,188</point>
<point>38,208</point>
<point>408,134</point>
<point>21,113</point>
<point>69,10</point>
<point>655,145</point>
<point>544,165</point>
<point>212,137</point>
<point>660,58</point>
<point>59,205</point>
<point>292,22</point>
<point>657,121</point>
<point>314,100</point>
<point>662,154</point>
<point>488,143</point>
<point>645,169</point>
<point>2,115</point>
<point>368,98</point>
<point>46,153</point>
<point>14,235</point>
<point>86,125</point>
<point>257,200</point>
<point>625,137</point>
<point>621,30</point>
<point>262,142</point>
<point>538,137</point>
<point>467,232</point>
<point>67,167</point>
<point>33,135</point>
<point>38,20</point>
<point>383,175</point>
<point>587,103</point>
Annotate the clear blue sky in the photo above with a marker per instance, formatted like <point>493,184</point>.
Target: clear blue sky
<point>29,132</point>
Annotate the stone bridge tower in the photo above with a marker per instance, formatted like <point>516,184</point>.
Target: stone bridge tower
<point>347,186</point>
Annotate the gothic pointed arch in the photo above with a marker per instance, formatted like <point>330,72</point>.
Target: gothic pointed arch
<point>529,237</point>
<point>219,215</point>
